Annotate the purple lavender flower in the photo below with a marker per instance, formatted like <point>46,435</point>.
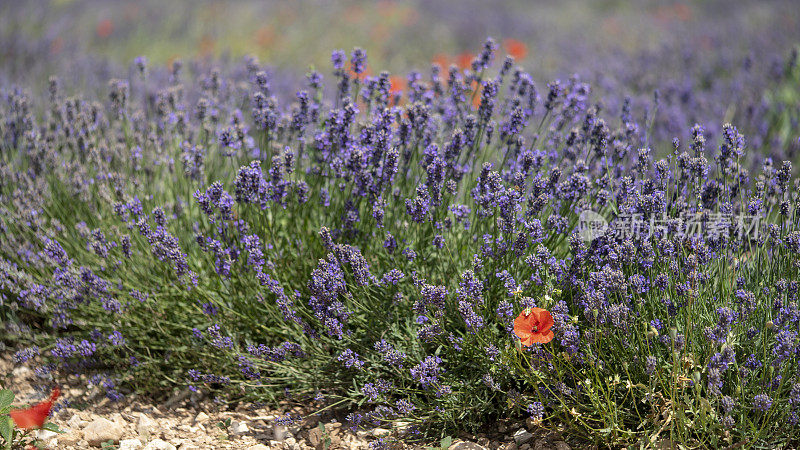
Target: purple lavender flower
<point>536,410</point>
<point>762,402</point>
<point>427,371</point>
<point>350,359</point>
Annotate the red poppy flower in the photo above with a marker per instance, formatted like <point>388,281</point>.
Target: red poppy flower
<point>464,60</point>
<point>516,48</point>
<point>34,416</point>
<point>476,96</point>
<point>104,28</point>
<point>534,327</point>
<point>442,60</point>
<point>396,84</point>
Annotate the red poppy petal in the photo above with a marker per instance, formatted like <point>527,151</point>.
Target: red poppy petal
<point>522,334</point>
<point>54,395</point>
<point>542,338</point>
<point>524,322</point>
<point>35,416</point>
<point>528,341</point>
<point>32,417</point>
<point>545,321</point>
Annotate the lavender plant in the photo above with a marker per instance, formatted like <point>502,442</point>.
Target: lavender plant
<point>368,249</point>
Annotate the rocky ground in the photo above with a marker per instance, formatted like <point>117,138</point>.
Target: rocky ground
<point>186,422</point>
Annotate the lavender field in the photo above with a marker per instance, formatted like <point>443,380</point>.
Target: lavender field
<point>426,218</point>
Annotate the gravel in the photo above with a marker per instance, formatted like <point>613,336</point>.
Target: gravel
<point>188,423</point>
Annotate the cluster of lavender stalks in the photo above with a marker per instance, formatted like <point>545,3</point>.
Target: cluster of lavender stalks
<point>365,250</point>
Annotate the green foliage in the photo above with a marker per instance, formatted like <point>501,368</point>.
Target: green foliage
<point>783,114</point>
<point>6,424</point>
<point>633,362</point>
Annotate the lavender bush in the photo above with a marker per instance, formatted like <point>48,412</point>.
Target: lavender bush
<point>368,249</point>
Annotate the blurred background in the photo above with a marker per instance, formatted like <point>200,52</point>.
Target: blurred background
<point>552,37</point>
<point>705,58</point>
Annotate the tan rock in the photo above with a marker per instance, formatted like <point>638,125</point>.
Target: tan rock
<point>280,432</point>
<point>158,444</point>
<point>45,435</point>
<point>316,437</point>
<point>522,436</point>
<point>146,426</point>
<point>130,444</point>
<point>102,430</point>
<point>70,438</point>
<point>462,445</point>
<point>76,422</point>
<point>238,427</point>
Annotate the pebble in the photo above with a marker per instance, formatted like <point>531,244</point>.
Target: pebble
<point>280,432</point>
<point>146,426</point>
<point>239,427</point>
<point>522,436</point>
<point>102,430</point>
<point>76,422</point>
<point>130,444</point>
<point>462,445</point>
<point>158,444</point>
<point>45,435</point>
<point>70,438</point>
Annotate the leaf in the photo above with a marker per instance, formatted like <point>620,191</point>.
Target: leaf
<point>6,430</point>
<point>446,442</point>
<point>6,398</point>
<point>50,426</point>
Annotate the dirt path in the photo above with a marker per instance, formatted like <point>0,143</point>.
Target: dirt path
<point>88,420</point>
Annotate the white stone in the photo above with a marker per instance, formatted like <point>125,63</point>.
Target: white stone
<point>280,433</point>
<point>201,417</point>
<point>522,436</point>
<point>258,447</point>
<point>45,435</point>
<point>20,371</point>
<point>76,422</point>
<point>146,426</point>
<point>102,430</point>
<point>158,444</point>
<point>130,444</point>
<point>187,445</point>
<point>238,427</point>
<point>461,445</point>
<point>69,438</point>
